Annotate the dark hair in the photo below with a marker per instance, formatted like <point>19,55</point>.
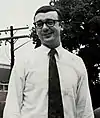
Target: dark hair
<point>45,9</point>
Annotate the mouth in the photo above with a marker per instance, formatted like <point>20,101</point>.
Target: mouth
<point>47,35</point>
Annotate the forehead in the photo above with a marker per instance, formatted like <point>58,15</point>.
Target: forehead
<point>47,15</point>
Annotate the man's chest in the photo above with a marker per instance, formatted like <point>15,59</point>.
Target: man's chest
<point>38,75</point>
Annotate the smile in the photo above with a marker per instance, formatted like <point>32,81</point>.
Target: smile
<point>47,34</point>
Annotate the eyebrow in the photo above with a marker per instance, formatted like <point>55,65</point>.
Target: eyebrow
<point>45,19</point>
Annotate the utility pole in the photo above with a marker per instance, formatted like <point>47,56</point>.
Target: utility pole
<point>12,46</point>
<point>11,38</point>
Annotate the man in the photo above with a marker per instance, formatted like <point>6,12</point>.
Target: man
<point>28,93</point>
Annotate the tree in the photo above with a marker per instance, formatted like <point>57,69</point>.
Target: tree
<point>35,38</point>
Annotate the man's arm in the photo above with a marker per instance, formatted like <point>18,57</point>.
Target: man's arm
<point>84,104</point>
<point>15,93</point>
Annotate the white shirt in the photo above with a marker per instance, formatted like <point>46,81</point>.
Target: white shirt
<point>28,87</point>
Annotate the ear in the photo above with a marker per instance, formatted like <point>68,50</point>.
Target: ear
<point>62,25</point>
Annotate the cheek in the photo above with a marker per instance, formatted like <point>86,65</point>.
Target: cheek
<point>40,35</point>
<point>38,32</point>
<point>57,32</point>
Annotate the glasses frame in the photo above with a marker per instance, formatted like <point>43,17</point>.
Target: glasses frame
<point>45,22</point>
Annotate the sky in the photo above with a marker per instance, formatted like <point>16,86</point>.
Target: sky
<point>17,13</point>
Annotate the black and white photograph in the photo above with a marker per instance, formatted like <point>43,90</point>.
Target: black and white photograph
<point>50,59</point>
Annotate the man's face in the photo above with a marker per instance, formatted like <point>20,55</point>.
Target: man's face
<point>49,35</point>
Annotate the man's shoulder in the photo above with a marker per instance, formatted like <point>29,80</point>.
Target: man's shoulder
<point>34,55</point>
<point>71,56</point>
<point>74,61</point>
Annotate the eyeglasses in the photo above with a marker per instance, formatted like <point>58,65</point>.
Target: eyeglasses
<point>49,22</point>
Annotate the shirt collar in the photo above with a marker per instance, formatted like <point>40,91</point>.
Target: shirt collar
<point>46,49</point>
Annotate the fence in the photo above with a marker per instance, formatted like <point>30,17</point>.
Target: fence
<point>3,94</point>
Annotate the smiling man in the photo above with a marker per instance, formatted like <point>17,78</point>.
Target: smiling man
<point>48,28</point>
<point>54,85</point>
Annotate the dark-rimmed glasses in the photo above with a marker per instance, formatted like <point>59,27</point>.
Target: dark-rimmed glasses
<point>49,22</point>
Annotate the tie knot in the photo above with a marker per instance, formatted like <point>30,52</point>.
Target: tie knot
<point>52,52</point>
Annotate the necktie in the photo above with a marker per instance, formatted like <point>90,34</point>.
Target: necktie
<point>55,105</point>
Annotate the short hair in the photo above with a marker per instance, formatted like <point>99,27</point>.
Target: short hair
<point>45,9</point>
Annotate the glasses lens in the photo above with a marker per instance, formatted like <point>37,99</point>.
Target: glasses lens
<point>39,24</point>
<point>50,22</point>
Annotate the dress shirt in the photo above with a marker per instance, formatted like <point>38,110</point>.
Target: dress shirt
<point>28,87</point>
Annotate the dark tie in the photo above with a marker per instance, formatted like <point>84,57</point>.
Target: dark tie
<point>55,105</point>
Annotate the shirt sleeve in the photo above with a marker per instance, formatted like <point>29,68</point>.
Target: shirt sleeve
<point>84,104</point>
<point>15,93</point>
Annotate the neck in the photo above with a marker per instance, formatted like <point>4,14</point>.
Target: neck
<point>52,46</point>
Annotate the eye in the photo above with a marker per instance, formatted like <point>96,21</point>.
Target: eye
<point>39,24</point>
<point>50,22</point>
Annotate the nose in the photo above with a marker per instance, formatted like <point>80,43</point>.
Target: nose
<point>45,27</point>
